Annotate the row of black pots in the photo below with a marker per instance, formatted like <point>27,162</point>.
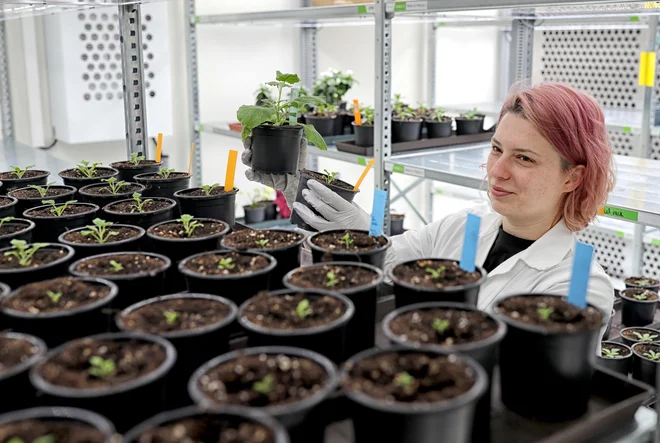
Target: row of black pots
<point>262,211</point>
<point>330,126</point>
<point>632,359</point>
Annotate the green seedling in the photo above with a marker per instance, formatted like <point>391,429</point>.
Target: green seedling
<point>652,355</point>
<point>164,173</point>
<point>226,263</point>
<point>99,231</point>
<point>471,114</point>
<point>116,267</point>
<point>54,296</point>
<point>138,206</point>
<point>330,176</point>
<point>440,325</point>
<point>406,114</point>
<point>262,243</point>
<point>642,296</point>
<point>171,316</point>
<point>18,172</point>
<point>325,111</point>
<point>610,353</point>
<point>43,439</point>
<point>136,158</point>
<point>100,367</point>
<point>114,185</point>
<point>644,283</point>
<point>438,114</point>
<point>209,188</point>
<point>87,170</point>
<point>435,273</point>
<point>646,337</point>
<point>545,312</point>
<point>189,225</point>
<point>346,240</point>
<point>367,115</point>
<point>332,279</point>
<point>404,380</point>
<point>41,190</point>
<point>304,309</point>
<point>23,252</point>
<point>58,210</point>
<point>265,385</point>
<point>5,220</point>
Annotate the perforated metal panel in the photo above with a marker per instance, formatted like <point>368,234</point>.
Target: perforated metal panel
<point>624,143</point>
<point>651,261</point>
<point>611,251</point>
<point>655,148</point>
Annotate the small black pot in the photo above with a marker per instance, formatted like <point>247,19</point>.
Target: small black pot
<point>134,287</point>
<point>436,129</point>
<point>398,422</point>
<point>68,415</point>
<point>396,225</point>
<point>325,126</point>
<point>25,234</point>
<point>48,229</point>
<point>88,249</point>
<point>193,347</point>
<point>127,173</point>
<point>23,204</point>
<point>466,126</point>
<point>270,209</point>
<point>162,187</point>
<point>236,288</point>
<point>362,327</point>
<point>219,207</point>
<point>631,342</point>
<point>80,182</point>
<point>637,312</point>
<point>10,209</point>
<point>142,219</point>
<point>407,294</point>
<point>12,183</point>
<point>18,277</point>
<point>652,287</point>
<point>17,392</point>
<point>61,326</point>
<point>144,395</point>
<point>364,134</point>
<point>276,149</point>
<point>102,199</point>
<point>254,215</point>
<point>644,369</point>
<point>621,364</point>
<point>375,257</point>
<point>406,130</point>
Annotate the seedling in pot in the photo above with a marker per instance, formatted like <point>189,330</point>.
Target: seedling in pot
<point>610,353</point>
<point>100,367</point>
<point>209,188</point>
<point>644,283</point>
<point>439,114</point>
<point>334,84</point>
<point>43,439</point>
<point>164,173</point>
<point>325,111</point>
<point>58,210</point>
<point>435,273</point>
<point>5,220</point>
<point>330,176</point>
<point>86,169</point>
<point>332,279</point>
<point>41,190</point>
<point>440,325</point>
<point>114,185</point>
<point>54,296</point>
<point>24,253</point>
<point>262,243</point>
<point>545,313</point>
<point>404,380</point>
<point>100,231</point>
<point>264,386</point>
<point>470,114</point>
<point>367,115</point>
<point>138,206</point>
<point>643,296</point>
<point>646,337</point>
<point>651,355</point>
<point>189,225</point>
<point>136,159</point>
<point>116,267</point>
<point>226,263</point>
<point>406,115</point>
<point>171,316</point>
<point>346,240</point>
<point>18,172</point>
<point>303,309</point>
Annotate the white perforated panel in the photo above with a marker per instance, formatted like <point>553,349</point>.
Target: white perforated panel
<point>655,148</point>
<point>624,143</point>
<point>651,260</point>
<point>611,251</point>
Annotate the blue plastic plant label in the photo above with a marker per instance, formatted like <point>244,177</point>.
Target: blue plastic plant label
<point>293,111</point>
<point>470,241</point>
<point>577,290</point>
<point>378,212</point>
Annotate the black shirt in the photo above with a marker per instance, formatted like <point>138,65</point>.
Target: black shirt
<point>505,246</point>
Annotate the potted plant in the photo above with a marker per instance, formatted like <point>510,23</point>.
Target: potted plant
<point>140,212</point>
<point>109,191</point>
<point>60,309</point>
<point>396,223</point>
<point>330,180</point>
<point>333,85</point>
<point>560,340</point>
<point>19,353</point>
<point>208,201</point>
<point>405,395</point>
<point>20,177</point>
<point>7,206</point>
<point>323,118</point>
<point>435,279</point>
<point>638,306</point>
<point>138,164</point>
<point>138,275</point>
<point>471,122</point>
<point>163,183</point>
<point>15,229</point>
<point>101,237</point>
<point>364,133</point>
<point>255,212</point>
<point>24,262</point>
<point>615,356</point>
<point>452,327</point>
<point>634,335</point>
<point>232,274</point>
<point>266,383</point>
<point>104,373</point>
<point>438,125</point>
<point>32,195</point>
<point>85,174</point>
<point>348,245</point>
<point>268,201</point>
<point>359,282</point>
<point>53,219</point>
<point>283,245</point>
<point>198,325</point>
<point>276,139</point>
<point>314,319</point>
<point>406,126</point>
<point>646,357</point>
<point>652,284</point>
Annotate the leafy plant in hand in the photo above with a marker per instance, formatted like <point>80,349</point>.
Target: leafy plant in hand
<point>330,176</point>
<point>18,172</point>
<point>99,231</point>
<point>41,190</point>
<point>58,210</point>
<point>23,252</point>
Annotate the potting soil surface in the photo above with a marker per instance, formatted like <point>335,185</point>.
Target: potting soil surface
<point>33,193</point>
<point>263,380</point>
<point>240,263</point>
<point>56,430</point>
<point>410,377</point>
<point>131,263</point>
<point>629,294</point>
<point>358,241</point>
<point>72,368</point>
<point>199,192</point>
<point>208,429</point>
<point>28,174</point>
<point>123,233</point>
<point>34,298</point>
<point>105,190</point>
<point>129,165</point>
<point>333,277</point>
<point>14,351</point>
<point>41,257</point>
<point>5,201</point>
<point>73,209</point>
<point>286,312</point>
<point>622,352</point>
<point>435,274</point>
<point>632,334</point>
<point>10,228</point>
<point>445,327</point>
<point>336,182</point>
<point>98,172</point>
<point>129,207</point>
<point>175,229</point>
<point>563,316</point>
<point>248,238</point>
<point>642,281</point>
<point>643,349</point>
<point>175,315</point>
<point>172,175</point>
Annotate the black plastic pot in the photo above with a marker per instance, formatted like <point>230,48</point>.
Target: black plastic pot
<point>88,249</point>
<point>631,342</point>
<point>25,234</point>
<point>103,199</point>
<point>621,364</point>
<point>466,126</point>
<point>48,229</point>
<point>23,204</point>
<point>406,130</point>
<point>142,219</point>
<point>364,135</point>
<point>18,277</point>
<point>375,257</point>
<point>407,294</point>
<point>270,209</point>
<point>299,417</point>
<point>398,422</point>
<point>276,149</point>
<point>637,312</point>
<point>125,404</point>
<point>193,347</point>
<point>133,288</point>
<point>236,288</point>
<point>78,183</point>
<point>644,369</point>
<point>17,392</point>
<point>362,327</point>
<point>12,183</point>
<point>162,187</point>
<point>59,327</point>
<point>230,414</point>
<point>295,219</point>
<point>325,126</point>
<point>254,215</point>
<point>396,224</point>
<point>485,352</point>
<point>436,129</point>
<point>652,287</point>
<point>10,209</point>
<point>219,207</point>
<point>127,173</point>
<point>558,364</point>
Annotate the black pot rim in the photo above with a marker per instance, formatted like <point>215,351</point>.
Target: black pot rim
<point>25,179</point>
<point>644,328</point>
<point>83,190</point>
<point>64,241</point>
<point>334,117</point>
<point>247,324</point>
<point>285,127</point>
<point>417,120</point>
<point>251,208</point>
<point>188,332</point>
<point>634,300</point>
<point>162,180</point>
<point>651,279</point>
<point>61,260</point>
<point>114,290</point>
<point>640,355</point>
<point>347,291</point>
<point>188,273</point>
<point>277,410</point>
<point>159,211</point>
<point>95,208</point>
<point>36,341</point>
<point>14,200</point>
<point>69,187</point>
<point>170,357</point>
<point>437,122</point>
<point>394,279</point>
<point>19,221</point>
<point>616,343</point>
<point>113,173</point>
<point>331,186</point>
<point>478,389</point>
<point>251,414</point>
<point>363,125</point>
<point>180,194</point>
<point>265,250</point>
<point>475,118</point>
<point>97,421</point>
<point>75,264</point>
<point>153,236</point>
<point>315,247</point>
<point>112,165</point>
<point>464,347</point>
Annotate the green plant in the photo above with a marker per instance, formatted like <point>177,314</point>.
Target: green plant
<point>99,231</point>
<point>276,112</point>
<point>652,355</point>
<point>438,114</point>
<point>332,279</point>
<point>100,367</point>
<point>23,252</point>
<point>43,439</point>
<point>263,93</point>
<point>114,185</point>
<point>346,240</point>
<point>226,263</point>
<point>18,172</point>
<point>209,188</point>
<point>646,337</point>
<point>262,243</point>
<point>609,353</point>
<point>404,380</point>
<point>334,84</point>
<point>189,225</point>
<point>139,203</point>
<point>164,173</point>
<point>406,115</point>
<point>644,282</point>
<point>470,114</point>
<point>171,316</point>
<point>42,191</point>
<point>58,210</point>
<point>325,111</point>
<point>367,113</point>
<point>642,296</point>
<point>398,105</point>
<point>545,313</point>
<point>440,325</point>
<point>54,296</point>
<point>136,158</point>
<point>304,309</point>
<point>87,170</point>
<point>5,220</point>
<point>435,273</point>
<point>265,385</point>
<point>116,267</point>
<point>330,176</point>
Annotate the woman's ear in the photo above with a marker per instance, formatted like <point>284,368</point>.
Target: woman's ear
<point>574,178</point>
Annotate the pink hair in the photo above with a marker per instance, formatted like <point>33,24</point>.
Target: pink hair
<point>574,124</point>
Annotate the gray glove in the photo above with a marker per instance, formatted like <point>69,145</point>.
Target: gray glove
<point>287,183</point>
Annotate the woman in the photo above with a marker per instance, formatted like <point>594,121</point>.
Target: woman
<point>549,171</point>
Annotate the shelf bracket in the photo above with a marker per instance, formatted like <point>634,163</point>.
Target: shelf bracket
<point>5,90</point>
<point>193,92</point>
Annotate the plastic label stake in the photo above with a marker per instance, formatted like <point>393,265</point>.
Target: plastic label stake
<point>470,241</point>
<point>378,212</point>
<point>159,146</point>
<point>192,152</point>
<point>231,170</point>
<point>293,111</point>
<point>364,174</point>
<point>577,290</point>
<point>356,113</point>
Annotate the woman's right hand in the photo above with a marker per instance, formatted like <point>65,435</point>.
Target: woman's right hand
<point>336,212</point>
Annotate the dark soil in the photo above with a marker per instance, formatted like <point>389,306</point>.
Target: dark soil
<point>199,192</point>
<point>175,230</point>
<point>629,294</point>
<point>348,277</point>
<point>133,359</point>
<point>642,281</point>
<point>29,174</point>
<point>332,241</point>
<point>105,190</point>
<point>194,313</point>
<point>172,175</point>
<point>630,334</point>
<point>248,238</point>
<point>563,317</point>
<point>14,351</point>
<point>41,257</point>
<point>4,201</point>
<point>291,379</point>
<point>33,298</point>
<point>321,177</point>
<point>98,172</point>
<point>243,263</point>
<point>454,327</point>
<point>208,429</point>
<point>642,349</point>
<point>415,273</point>
<point>26,194</point>
<point>123,233</point>
<point>10,228</point>
<point>70,210</point>
<point>129,165</point>
<point>279,311</point>
<point>132,264</point>
<point>129,207</point>
<point>622,350</point>
<point>432,378</point>
<point>60,431</point>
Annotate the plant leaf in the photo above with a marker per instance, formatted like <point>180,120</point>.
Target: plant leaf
<point>252,116</point>
<point>291,79</point>
<point>308,100</point>
<point>314,137</point>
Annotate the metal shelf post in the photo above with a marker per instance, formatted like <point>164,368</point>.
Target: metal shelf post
<point>193,91</point>
<point>309,67</point>
<point>522,46</point>
<point>5,91</point>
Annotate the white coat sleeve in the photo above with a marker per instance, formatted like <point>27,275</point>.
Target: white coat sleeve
<point>414,244</point>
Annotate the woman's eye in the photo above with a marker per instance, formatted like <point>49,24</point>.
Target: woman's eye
<point>496,149</point>
<point>524,158</point>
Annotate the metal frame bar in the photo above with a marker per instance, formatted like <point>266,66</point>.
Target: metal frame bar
<point>5,88</point>
<point>402,193</point>
<point>309,67</point>
<point>193,91</point>
<point>431,64</point>
<point>522,47</point>
<point>302,14</point>
<point>405,197</point>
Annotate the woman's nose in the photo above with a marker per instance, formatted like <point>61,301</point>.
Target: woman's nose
<point>500,169</point>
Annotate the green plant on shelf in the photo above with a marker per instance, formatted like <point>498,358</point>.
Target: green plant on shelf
<point>100,367</point>
<point>42,439</point>
<point>545,313</point>
<point>116,266</point>
<point>264,92</point>
<point>189,225</point>
<point>330,176</point>
<point>138,205</point>
<point>86,169</point>
<point>54,296</point>
<point>439,115</point>
<point>645,337</point>
<point>471,115</point>
<point>24,252</point>
<point>406,115</point>
<point>367,113</point>
<point>346,240</point>
<point>304,310</point>
<point>404,380</point>
<point>333,85</point>
<point>609,353</point>
<point>136,158</point>
<point>18,172</point>
<point>435,273</point>
<point>644,282</point>
<point>114,185</point>
<point>99,231</point>
<point>209,188</point>
<point>642,296</point>
<point>262,243</point>
<point>398,105</point>
<point>226,263</point>
<point>332,280</point>
<point>5,220</point>
<point>651,355</point>
<point>41,190</point>
<point>265,385</point>
<point>440,325</point>
<point>325,111</point>
<point>171,316</point>
<point>56,210</point>
<point>164,173</point>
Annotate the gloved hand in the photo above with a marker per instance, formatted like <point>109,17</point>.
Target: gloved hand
<point>287,183</point>
<point>337,213</point>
